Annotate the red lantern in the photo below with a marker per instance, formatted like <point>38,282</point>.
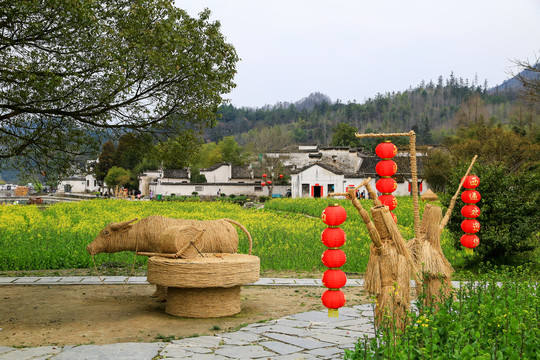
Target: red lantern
<point>386,185</point>
<point>470,241</point>
<point>471,182</point>
<point>386,150</point>
<point>281,176</point>
<point>470,211</point>
<point>333,299</point>
<point>470,196</point>
<point>269,182</point>
<point>263,183</point>
<point>264,176</point>
<point>389,200</point>
<point>386,168</point>
<point>470,226</point>
<point>334,279</point>
<point>334,215</point>
<point>333,258</point>
<point>333,237</point>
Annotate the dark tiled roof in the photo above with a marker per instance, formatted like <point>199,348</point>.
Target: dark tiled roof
<point>240,172</point>
<point>325,166</point>
<point>215,166</point>
<point>176,174</point>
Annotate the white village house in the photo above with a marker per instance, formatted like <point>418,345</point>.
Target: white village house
<point>314,172</point>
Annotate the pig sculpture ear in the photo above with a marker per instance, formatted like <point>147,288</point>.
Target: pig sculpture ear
<point>121,225</point>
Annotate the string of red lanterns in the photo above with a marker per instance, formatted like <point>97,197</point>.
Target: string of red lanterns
<point>333,258</point>
<point>470,211</point>
<point>385,169</point>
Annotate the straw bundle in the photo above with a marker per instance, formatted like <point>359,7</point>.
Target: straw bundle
<point>395,266</point>
<point>435,268</point>
<point>158,235</point>
<point>429,196</point>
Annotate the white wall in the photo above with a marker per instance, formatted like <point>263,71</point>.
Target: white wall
<point>210,189</point>
<point>220,175</point>
<point>315,176</point>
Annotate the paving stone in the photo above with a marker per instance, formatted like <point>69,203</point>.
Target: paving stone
<point>26,280</point>
<point>114,279</point>
<point>244,352</point>
<point>90,281</point>
<point>301,356</point>
<point>334,339</point>
<point>288,282</point>
<point>297,341</point>
<point>293,323</point>
<point>124,351</point>
<point>201,341</point>
<point>5,349</point>
<point>48,280</point>
<point>288,330</point>
<point>263,282</point>
<point>240,338</point>
<point>199,350</point>
<point>319,316</point>
<point>175,351</point>
<point>345,333</point>
<point>258,329</point>
<point>280,348</point>
<point>361,328</point>
<point>71,280</point>
<point>30,353</point>
<point>7,280</point>
<point>206,357</point>
<point>305,282</point>
<point>363,307</point>
<point>348,311</point>
<point>137,280</point>
<point>328,351</point>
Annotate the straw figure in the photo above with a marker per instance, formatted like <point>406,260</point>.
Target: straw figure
<point>390,264</point>
<point>169,238</point>
<point>392,261</point>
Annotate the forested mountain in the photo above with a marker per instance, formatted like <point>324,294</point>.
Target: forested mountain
<point>434,110</point>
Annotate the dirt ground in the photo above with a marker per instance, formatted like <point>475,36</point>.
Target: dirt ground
<point>35,315</point>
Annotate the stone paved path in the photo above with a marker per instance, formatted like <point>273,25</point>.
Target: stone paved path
<point>308,335</point>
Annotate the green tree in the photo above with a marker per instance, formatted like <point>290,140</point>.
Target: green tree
<point>117,176</point>
<point>177,152</point>
<point>105,160</point>
<point>344,135</point>
<point>132,148</point>
<point>71,69</point>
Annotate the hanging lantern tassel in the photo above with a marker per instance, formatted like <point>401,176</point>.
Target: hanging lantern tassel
<point>470,211</point>
<point>333,237</point>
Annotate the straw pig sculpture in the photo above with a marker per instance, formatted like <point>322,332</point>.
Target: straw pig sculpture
<point>158,235</point>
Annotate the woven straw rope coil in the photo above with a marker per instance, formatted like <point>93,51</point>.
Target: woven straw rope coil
<point>212,270</point>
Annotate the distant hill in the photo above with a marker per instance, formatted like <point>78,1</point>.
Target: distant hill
<point>514,84</point>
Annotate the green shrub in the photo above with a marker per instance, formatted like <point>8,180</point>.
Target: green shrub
<point>497,318</point>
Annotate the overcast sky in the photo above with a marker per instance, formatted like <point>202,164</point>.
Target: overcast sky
<point>353,49</point>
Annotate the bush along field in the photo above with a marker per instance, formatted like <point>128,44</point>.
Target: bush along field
<point>286,233</point>
<point>495,318</point>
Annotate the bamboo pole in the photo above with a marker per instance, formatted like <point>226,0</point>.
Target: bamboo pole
<point>446,217</point>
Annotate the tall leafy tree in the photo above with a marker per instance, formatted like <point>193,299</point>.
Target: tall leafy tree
<point>70,69</point>
<point>105,160</point>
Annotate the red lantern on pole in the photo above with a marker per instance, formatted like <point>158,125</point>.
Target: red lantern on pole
<point>386,168</point>
<point>281,176</point>
<point>386,150</point>
<point>470,225</point>
<point>333,300</point>
<point>333,258</point>
<point>471,182</point>
<point>389,200</point>
<point>263,183</point>
<point>386,185</point>
<point>264,176</point>
<point>334,215</point>
<point>269,182</point>
<point>470,211</point>
<point>334,279</point>
<point>333,237</point>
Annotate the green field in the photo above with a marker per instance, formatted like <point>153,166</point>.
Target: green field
<point>286,233</point>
